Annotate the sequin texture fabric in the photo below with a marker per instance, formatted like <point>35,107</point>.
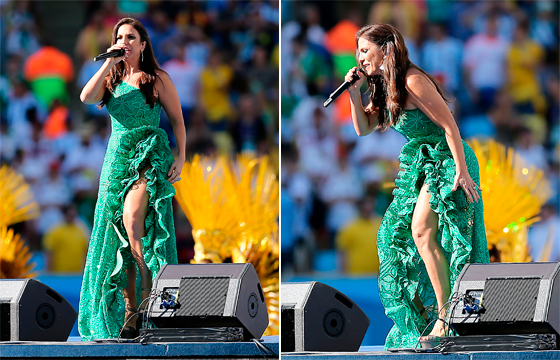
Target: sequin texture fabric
<point>425,159</point>
<point>136,142</point>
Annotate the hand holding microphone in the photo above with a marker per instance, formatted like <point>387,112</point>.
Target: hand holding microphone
<point>116,52</point>
<point>356,77</point>
<point>352,81</point>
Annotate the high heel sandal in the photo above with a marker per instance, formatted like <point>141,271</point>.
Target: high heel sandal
<point>430,341</point>
<point>129,331</point>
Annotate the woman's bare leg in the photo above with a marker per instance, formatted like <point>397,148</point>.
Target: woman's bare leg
<point>134,216</point>
<point>424,231</point>
<point>420,306</point>
<point>129,294</point>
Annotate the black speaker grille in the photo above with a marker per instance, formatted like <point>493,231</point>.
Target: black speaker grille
<point>288,328</point>
<point>510,299</point>
<point>5,324</point>
<point>203,296</point>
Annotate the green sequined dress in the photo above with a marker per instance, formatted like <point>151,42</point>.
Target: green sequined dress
<point>425,159</point>
<point>136,142</point>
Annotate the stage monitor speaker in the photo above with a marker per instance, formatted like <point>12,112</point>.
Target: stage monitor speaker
<point>317,317</point>
<point>508,298</point>
<point>210,296</point>
<point>32,311</point>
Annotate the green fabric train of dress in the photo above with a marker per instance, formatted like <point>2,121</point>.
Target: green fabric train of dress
<point>136,142</point>
<point>425,159</point>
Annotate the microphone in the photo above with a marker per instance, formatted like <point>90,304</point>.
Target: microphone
<point>110,54</point>
<point>345,85</point>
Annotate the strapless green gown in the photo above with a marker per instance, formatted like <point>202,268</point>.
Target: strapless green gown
<point>136,141</point>
<point>425,159</point>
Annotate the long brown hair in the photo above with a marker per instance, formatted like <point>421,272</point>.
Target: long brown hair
<point>388,90</point>
<point>149,65</point>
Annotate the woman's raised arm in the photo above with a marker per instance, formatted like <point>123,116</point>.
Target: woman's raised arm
<point>93,91</point>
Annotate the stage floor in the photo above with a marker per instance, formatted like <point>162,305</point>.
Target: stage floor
<point>376,352</point>
<point>74,348</point>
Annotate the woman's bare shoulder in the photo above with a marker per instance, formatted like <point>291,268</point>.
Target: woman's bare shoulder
<point>160,73</point>
<point>417,84</point>
<point>162,79</point>
<point>415,78</point>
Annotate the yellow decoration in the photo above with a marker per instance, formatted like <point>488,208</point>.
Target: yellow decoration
<point>513,195</point>
<point>16,199</point>
<point>16,205</point>
<point>14,256</point>
<point>233,209</point>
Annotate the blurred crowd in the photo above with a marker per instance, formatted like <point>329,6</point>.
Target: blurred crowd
<point>222,56</point>
<point>497,60</point>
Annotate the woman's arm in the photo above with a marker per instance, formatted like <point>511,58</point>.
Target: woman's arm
<point>94,90</point>
<point>425,96</point>
<point>170,100</point>
<point>364,123</point>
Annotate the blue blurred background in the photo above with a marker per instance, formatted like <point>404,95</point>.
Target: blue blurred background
<point>498,60</point>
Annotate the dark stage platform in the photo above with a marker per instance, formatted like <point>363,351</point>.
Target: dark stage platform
<point>94,350</point>
<point>376,352</point>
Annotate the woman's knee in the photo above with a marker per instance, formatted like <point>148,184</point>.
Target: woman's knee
<point>423,234</point>
<point>134,210</point>
<point>419,235</point>
<point>133,221</point>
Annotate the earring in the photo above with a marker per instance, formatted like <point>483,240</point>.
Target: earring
<point>142,55</point>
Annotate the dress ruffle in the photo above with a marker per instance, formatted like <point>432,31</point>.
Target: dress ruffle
<point>133,150</point>
<point>424,160</point>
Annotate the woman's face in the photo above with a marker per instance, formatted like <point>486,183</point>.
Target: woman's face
<point>129,37</point>
<point>370,56</point>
